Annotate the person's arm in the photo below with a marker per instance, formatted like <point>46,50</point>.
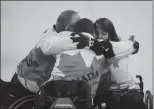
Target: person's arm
<point>123,49</point>
<point>112,61</point>
<point>56,43</point>
<point>117,72</point>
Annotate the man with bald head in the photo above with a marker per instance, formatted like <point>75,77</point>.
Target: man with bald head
<point>29,70</point>
<point>35,69</point>
<point>66,21</point>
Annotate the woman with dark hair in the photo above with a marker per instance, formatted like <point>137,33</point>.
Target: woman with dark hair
<point>117,87</point>
<point>107,28</point>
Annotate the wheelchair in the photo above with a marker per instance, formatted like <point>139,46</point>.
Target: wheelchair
<point>62,97</point>
<point>147,96</point>
<point>57,95</point>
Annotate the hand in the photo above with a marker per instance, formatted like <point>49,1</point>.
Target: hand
<point>83,40</point>
<point>108,49</point>
<point>136,47</point>
<point>103,47</point>
<point>97,47</point>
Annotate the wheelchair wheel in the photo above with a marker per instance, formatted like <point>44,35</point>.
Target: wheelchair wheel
<point>28,102</point>
<point>148,100</point>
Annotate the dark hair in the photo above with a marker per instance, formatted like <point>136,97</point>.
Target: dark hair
<point>107,26</point>
<point>84,25</point>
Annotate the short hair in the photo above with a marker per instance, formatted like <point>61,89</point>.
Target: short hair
<point>65,18</point>
<point>84,25</point>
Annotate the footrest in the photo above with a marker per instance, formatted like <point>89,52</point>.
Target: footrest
<point>63,103</point>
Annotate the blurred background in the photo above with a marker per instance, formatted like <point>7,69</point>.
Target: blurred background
<point>22,23</point>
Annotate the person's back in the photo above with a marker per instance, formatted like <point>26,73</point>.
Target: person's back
<point>80,64</point>
<point>83,64</point>
<point>35,69</point>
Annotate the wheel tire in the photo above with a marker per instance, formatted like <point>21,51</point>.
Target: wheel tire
<point>148,100</point>
<point>16,105</point>
<point>29,103</point>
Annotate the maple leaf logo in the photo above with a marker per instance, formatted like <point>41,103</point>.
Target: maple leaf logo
<point>74,67</point>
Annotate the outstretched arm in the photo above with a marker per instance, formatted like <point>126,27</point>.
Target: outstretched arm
<point>36,68</point>
<point>56,43</point>
<point>109,55</point>
<point>123,49</point>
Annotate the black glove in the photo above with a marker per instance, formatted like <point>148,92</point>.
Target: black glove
<point>97,47</point>
<point>108,49</point>
<point>103,47</point>
<point>82,39</point>
<point>136,47</point>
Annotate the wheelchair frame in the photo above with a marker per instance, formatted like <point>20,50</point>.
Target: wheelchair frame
<point>21,101</point>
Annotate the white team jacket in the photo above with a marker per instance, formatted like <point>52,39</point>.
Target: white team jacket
<point>56,56</point>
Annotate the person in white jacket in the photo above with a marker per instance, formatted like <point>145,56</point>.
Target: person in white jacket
<point>36,68</point>
<point>83,64</point>
<point>117,87</point>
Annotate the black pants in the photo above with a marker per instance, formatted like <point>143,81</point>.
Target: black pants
<point>12,91</point>
<point>131,100</point>
<point>16,81</point>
